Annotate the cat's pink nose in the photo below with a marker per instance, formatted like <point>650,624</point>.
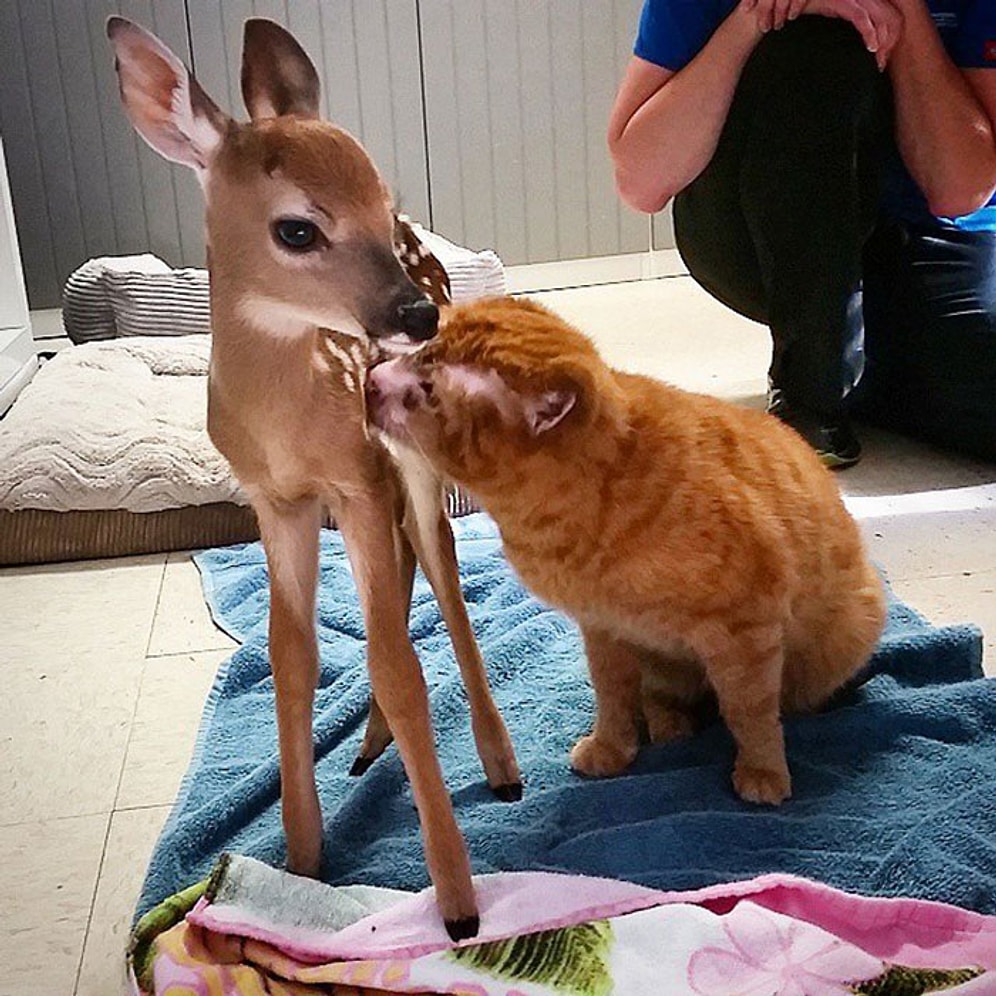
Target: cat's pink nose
<point>391,389</point>
<point>390,378</point>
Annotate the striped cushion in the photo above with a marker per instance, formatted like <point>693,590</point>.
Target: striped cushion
<point>173,303</point>
<point>140,295</point>
<point>86,307</point>
<point>472,274</point>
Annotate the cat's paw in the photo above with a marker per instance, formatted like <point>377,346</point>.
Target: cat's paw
<point>770,786</point>
<point>599,759</point>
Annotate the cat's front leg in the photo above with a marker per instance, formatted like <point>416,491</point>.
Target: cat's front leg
<point>745,670</point>
<point>615,675</point>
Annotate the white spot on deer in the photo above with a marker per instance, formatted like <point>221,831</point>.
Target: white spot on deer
<point>339,353</point>
<point>279,318</point>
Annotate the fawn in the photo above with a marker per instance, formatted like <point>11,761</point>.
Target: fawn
<point>304,279</point>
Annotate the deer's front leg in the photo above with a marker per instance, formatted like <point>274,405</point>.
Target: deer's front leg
<point>400,691</point>
<point>290,538</point>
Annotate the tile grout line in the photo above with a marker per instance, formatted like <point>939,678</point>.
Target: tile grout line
<point>117,788</point>
<point>143,806</point>
<point>141,684</point>
<point>93,903</point>
<point>86,816</point>
<point>155,610</point>
<point>943,575</point>
<point>190,652</point>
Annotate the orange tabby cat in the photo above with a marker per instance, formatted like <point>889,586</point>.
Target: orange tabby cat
<point>702,548</point>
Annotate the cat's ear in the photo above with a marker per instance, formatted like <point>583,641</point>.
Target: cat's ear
<point>547,410</point>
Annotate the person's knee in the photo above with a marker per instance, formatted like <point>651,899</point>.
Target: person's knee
<point>720,263</point>
<point>820,68</point>
<point>826,48</point>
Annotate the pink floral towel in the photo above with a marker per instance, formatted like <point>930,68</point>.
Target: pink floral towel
<point>560,935</point>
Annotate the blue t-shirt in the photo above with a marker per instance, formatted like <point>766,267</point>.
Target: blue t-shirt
<point>672,32</point>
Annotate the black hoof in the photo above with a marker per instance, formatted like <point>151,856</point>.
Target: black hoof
<point>360,766</point>
<point>508,793</point>
<point>460,930</point>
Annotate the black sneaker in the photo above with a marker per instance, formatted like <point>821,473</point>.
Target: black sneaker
<point>834,442</point>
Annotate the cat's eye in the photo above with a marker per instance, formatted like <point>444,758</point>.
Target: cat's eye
<point>297,234</point>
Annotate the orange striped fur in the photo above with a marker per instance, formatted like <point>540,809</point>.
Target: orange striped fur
<point>702,548</point>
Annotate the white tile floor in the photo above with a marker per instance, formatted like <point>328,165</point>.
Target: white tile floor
<point>106,664</point>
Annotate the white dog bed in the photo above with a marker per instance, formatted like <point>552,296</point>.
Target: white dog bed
<point>106,452</point>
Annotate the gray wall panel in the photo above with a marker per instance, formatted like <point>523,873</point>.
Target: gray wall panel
<point>390,91</point>
<point>535,97</point>
<point>49,112</point>
<point>83,185</point>
<point>275,10</point>
<point>509,142</point>
<point>508,182</point>
<point>664,229</point>
<point>121,144</point>
<point>217,27</point>
<point>569,139</point>
<point>517,100</point>
<point>24,162</point>
<point>96,204</point>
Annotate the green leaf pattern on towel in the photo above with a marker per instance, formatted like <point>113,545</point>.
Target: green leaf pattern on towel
<point>899,980</point>
<point>141,950</point>
<point>572,960</point>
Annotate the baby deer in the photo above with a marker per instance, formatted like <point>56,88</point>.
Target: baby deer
<point>304,278</point>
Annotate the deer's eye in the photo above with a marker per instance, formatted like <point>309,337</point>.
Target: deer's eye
<point>296,234</point>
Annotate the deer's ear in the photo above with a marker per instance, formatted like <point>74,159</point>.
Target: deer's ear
<point>162,100</point>
<point>277,76</point>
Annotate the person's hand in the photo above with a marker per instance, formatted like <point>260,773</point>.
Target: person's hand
<point>879,22</point>
<point>772,15</point>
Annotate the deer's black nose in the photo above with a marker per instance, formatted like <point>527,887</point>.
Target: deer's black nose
<point>420,319</point>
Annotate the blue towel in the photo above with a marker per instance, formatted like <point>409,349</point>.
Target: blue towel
<point>894,787</point>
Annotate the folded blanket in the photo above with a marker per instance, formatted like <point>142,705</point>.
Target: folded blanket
<point>894,787</point>
<point>257,930</point>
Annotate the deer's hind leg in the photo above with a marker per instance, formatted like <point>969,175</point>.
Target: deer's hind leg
<point>430,534</point>
<point>377,736</point>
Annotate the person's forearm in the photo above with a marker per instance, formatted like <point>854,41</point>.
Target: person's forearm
<point>671,137</point>
<point>943,133</point>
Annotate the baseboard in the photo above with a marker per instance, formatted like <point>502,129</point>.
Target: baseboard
<point>46,323</point>
<point>559,274</point>
<point>11,387</point>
